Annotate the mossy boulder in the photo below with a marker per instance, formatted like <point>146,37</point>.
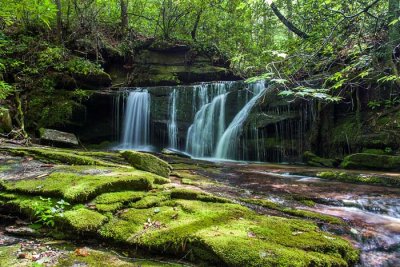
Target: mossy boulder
<point>371,161</point>
<point>52,155</point>
<point>360,178</point>
<point>5,120</point>
<point>74,186</point>
<point>227,234</point>
<point>147,162</point>
<point>316,161</point>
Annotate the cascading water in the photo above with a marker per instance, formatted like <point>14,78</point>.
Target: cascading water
<point>209,122</point>
<point>227,147</point>
<point>136,124</point>
<point>172,122</point>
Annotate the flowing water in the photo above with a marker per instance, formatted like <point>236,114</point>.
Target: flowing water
<point>136,124</point>
<point>172,122</point>
<point>227,147</point>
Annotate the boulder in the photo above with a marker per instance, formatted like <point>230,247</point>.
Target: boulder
<point>371,161</point>
<point>316,161</point>
<point>147,162</point>
<point>5,120</point>
<point>54,137</point>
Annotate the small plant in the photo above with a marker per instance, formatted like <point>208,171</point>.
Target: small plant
<point>46,211</point>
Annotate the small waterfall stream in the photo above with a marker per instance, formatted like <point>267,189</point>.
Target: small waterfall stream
<point>210,120</point>
<point>136,124</point>
<point>227,147</point>
<point>172,122</point>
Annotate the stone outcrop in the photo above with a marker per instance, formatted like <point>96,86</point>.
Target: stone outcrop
<point>55,137</point>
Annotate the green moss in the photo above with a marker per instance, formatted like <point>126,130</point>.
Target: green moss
<point>147,162</point>
<point>371,161</point>
<point>196,195</point>
<point>98,258</point>
<point>124,196</point>
<point>8,256</point>
<point>374,151</point>
<point>228,234</point>
<point>151,200</point>
<point>56,156</point>
<point>77,187</point>
<point>360,178</point>
<point>110,202</point>
<point>294,212</point>
<point>83,220</point>
<point>313,160</point>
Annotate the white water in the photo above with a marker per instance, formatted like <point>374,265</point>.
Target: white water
<point>209,122</point>
<point>172,122</point>
<point>227,147</point>
<point>136,125</point>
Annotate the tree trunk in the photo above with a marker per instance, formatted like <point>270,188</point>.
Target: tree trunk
<point>59,21</point>
<point>124,15</point>
<point>196,25</point>
<point>394,29</point>
<point>287,23</point>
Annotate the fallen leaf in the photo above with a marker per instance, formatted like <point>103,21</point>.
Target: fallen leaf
<point>83,252</point>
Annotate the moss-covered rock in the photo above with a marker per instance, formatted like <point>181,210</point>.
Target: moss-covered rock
<point>110,202</point>
<point>147,162</point>
<point>360,178</point>
<point>55,156</point>
<point>313,160</point>
<point>227,234</point>
<point>371,161</point>
<point>5,120</point>
<point>294,212</point>
<point>83,220</point>
<point>79,187</point>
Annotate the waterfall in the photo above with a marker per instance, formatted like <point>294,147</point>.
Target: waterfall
<point>172,124</point>
<point>227,147</point>
<point>209,122</point>
<point>136,124</point>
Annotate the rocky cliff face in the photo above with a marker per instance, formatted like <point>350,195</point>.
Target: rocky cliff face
<point>162,64</point>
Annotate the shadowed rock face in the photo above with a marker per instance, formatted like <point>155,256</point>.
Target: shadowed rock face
<point>169,64</point>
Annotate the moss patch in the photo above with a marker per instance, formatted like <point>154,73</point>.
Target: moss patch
<point>371,161</point>
<point>147,162</point>
<point>294,212</point>
<point>56,156</point>
<point>98,258</point>
<point>360,178</point>
<point>83,220</point>
<point>77,187</point>
<point>228,233</point>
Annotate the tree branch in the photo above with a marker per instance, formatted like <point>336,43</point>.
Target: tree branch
<point>287,23</point>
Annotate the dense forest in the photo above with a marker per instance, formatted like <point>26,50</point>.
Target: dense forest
<point>199,133</point>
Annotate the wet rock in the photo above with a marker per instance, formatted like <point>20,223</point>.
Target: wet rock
<point>174,152</point>
<point>54,137</point>
<point>21,231</point>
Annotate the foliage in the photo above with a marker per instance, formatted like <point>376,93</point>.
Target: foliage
<point>5,89</point>
<point>46,211</point>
